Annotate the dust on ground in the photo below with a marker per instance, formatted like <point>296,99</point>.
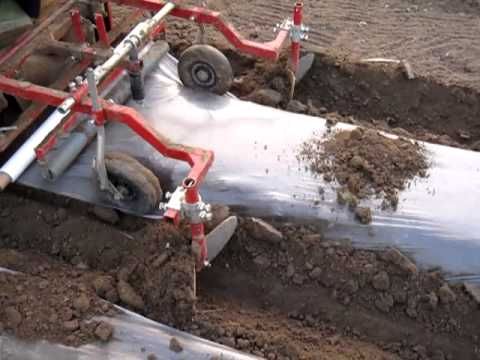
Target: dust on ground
<point>365,163</point>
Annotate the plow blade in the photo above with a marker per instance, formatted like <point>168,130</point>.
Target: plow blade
<point>220,236</point>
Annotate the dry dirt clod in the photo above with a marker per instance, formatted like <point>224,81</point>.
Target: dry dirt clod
<point>175,345</point>
<point>228,341</point>
<point>104,331</point>
<point>363,214</point>
<point>13,318</point>
<point>71,325</point>
<point>381,281</point>
<point>261,230</point>
<point>345,197</point>
<point>297,107</point>
<point>446,294</point>
<point>316,273</point>
<point>107,215</point>
<point>129,296</point>
<point>396,257</point>
<point>81,303</point>
<point>474,291</point>
<point>267,97</point>
<point>103,284</point>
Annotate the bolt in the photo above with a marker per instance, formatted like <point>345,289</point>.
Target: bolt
<point>72,86</point>
<point>168,195</point>
<point>79,80</point>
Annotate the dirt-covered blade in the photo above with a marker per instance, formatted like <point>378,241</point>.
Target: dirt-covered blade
<point>304,66</point>
<point>219,237</point>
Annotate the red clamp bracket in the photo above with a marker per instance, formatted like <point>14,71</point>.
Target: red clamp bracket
<point>186,202</point>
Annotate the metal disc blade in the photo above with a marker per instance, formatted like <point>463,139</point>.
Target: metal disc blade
<point>219,237</point>
<point>305,64</point>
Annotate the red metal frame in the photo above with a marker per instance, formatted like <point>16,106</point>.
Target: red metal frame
<point>77,26</point>
<point>199,241</point>
<point>102,30</point>
<point>295,47</point>
<point>270,50</point>
<point>199,160</point>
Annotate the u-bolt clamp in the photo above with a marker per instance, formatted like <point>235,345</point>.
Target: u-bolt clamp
<point>194,213</point>
<point>297,32</point>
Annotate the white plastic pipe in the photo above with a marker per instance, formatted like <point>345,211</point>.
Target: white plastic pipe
<point>24,156</point>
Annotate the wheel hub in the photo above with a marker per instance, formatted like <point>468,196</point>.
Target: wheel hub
<point>203,74</point>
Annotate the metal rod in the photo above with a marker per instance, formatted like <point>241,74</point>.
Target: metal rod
<point>102,29</point>
<point>134,39</point>
<point>77,26</point>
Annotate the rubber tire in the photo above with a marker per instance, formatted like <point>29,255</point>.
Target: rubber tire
<point>212,57</point>
<point>146,186</point>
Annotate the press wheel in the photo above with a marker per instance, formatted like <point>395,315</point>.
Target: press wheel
<point>205,67</point>
<point>140,188</point>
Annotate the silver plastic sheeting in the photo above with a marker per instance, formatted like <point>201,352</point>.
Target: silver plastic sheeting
<point>256,170</point>
<point>134,338</point>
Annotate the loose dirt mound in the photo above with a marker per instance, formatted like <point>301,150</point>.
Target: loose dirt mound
<point>366,163</point>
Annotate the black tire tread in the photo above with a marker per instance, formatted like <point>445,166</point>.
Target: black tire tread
<point>129,169</point>
<point>212,56</point>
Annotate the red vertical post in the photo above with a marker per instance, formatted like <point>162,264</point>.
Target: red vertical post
<point>199,242</point>
<point>77,26</point>
<point>102,30</point>
<point>108,9</point>
<point>296,36</point>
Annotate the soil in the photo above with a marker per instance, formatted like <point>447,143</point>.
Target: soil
<point>365,163</point>
<point>281,291</point>
<point>334,298</point>
<point>49,300</point>
<point>123,266</point>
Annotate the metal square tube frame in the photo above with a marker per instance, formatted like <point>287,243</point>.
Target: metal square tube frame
<point>269,50</point>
